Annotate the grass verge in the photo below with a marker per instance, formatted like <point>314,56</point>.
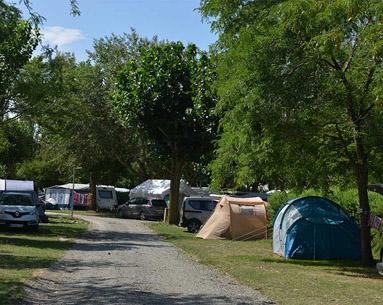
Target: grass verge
<point>23,254</point>
<point>287,282</point>
<point>83,212</point>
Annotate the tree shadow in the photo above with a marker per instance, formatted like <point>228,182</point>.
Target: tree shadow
<point>110,291</point>
<point>342,267</point>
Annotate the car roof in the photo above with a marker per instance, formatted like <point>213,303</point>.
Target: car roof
<point>200,197</point>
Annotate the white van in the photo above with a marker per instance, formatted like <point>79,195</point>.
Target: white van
<point>106,198</point>
<point>196,211</point>
<point>19,206</point>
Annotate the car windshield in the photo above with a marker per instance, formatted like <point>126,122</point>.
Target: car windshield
<point>16,199</point>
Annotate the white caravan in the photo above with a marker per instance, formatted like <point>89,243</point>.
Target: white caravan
<point>106,197</point>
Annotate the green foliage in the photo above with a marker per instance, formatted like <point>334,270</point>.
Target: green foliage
<point>17,144</point>
<point>277,128</point>
<point>165,95</point>
<point>18,39</point>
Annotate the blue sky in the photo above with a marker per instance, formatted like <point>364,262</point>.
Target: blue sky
<point>174,20</point>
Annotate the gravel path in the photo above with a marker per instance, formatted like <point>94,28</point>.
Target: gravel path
<point>121,261</point>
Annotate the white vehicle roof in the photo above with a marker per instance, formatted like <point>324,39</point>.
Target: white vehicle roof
<point>16,185</point>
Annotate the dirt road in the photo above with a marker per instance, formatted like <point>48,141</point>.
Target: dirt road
<point>121,261</point>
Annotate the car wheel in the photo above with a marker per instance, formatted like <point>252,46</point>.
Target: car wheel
<point>142,216</point>
<point>193,226</point>
<point>34,228</point>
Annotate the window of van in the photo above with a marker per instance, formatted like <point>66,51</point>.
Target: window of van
<point>204,205</point>
<point>105,194</point>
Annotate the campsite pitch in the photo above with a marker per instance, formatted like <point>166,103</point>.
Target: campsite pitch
<point>287,282</point>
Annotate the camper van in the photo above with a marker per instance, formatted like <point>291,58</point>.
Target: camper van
<point>106,197</point>
<point>19,205</point>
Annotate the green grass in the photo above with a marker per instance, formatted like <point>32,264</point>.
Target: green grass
<point>287,282</point>
<point>82,212</point>
<point>23,254</point>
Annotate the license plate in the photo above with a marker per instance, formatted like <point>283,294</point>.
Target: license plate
<point>16,225</point>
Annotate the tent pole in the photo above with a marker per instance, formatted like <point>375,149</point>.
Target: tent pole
<point>314,240</point>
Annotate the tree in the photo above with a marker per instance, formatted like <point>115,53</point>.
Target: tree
<point>314,84</point>
<point>18,39</point>
<point>166,92</point>
<point>70,103</point>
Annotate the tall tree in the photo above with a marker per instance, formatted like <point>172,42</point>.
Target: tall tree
<point>167,94</point>
<point>18,39</point>
<point>313,85</point>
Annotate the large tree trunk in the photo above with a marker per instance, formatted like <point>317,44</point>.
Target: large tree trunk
<point>174,191</point>
<point>361,172</point>
<point>93,190</point>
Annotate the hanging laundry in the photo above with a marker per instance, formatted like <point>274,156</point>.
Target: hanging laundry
<point>375,221</point>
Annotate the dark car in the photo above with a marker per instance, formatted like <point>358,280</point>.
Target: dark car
<point>142,208</point>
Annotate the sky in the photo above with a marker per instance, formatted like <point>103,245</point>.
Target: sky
<point>174,20</point>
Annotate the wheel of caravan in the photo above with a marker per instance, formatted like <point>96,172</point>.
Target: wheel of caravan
<point>142,216</point>
<point>194,225</point>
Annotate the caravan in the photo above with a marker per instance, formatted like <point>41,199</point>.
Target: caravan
<point>61,195</point>
<point>106,197</point>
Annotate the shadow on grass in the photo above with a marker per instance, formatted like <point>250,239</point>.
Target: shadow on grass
<point>341,267</point>
<point>11,292</point>
<point>94,240</point>
<point>18,262</point>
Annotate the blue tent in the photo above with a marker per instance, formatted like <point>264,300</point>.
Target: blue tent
<point>315,228</point>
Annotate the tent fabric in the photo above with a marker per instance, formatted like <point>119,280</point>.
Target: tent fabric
<point>236,218</point>
<point>157,188</point>
<point>315,228</point>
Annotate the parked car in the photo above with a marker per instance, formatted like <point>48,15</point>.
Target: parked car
<point>379,265</point>
<point>20,209</point>
<point>142,208</point>
<point>196,211</point>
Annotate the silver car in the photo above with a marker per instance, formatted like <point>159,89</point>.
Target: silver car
<point>19,209</point>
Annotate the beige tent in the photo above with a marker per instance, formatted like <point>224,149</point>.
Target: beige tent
<point>237,218</point>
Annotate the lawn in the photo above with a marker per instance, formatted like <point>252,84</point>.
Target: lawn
<point>23,254</point>
<point>287,282</point>
<point>83,212</point>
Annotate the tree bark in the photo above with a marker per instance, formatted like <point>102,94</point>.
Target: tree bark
<point>93,190</point>
<point>361,172</point>
<point>174,191</point>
